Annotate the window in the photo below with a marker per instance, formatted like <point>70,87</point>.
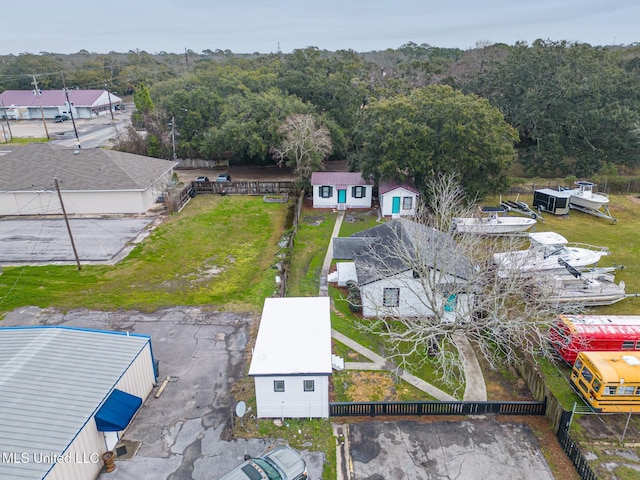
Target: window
<point>637,345</point>
<point>628,345</point>
<point>407,203</point>
<point>358,192</point>
<point>586,373</point>
<point>596,385</point>
<point>326,191</point>
<point>278,385</point>
<point>309,385</point>
<point>391,297</point>
<point>610,390</point>
<point>626,390</point>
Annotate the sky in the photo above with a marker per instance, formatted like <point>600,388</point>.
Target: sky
<point>266,26</point>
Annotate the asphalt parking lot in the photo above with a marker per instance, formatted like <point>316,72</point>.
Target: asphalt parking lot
<point>477,448</point>
<point>47,241</point>
<point>181,435</point>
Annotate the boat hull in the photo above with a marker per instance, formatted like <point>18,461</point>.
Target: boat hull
<point>493,226</point>
<point>594,202</point>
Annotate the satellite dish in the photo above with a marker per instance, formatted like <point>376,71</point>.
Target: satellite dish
<point>241,409</point>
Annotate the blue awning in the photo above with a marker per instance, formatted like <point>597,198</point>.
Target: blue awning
<point>117,411</point>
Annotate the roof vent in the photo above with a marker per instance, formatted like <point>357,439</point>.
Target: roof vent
<point>76,152</point>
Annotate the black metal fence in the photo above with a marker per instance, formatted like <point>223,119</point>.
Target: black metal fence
<point>572,450</point>
<point>373,409</point>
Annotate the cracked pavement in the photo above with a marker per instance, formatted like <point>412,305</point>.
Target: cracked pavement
<point>182,433</point>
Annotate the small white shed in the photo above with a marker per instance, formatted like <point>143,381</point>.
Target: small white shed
<point>291,360</point>
<point>397,199</point>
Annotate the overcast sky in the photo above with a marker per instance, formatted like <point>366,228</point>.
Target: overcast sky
<point>246,26</point>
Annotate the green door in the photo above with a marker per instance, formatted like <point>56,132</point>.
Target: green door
<point>395,207</point>
<point>342,196</point>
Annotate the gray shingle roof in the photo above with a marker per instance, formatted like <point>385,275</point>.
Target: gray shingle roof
<point>435,248</point>
<point>52,379</point>
<point>33,167</point>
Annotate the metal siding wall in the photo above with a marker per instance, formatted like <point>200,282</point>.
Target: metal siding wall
<point>139,378</point>
<point>89,441</point>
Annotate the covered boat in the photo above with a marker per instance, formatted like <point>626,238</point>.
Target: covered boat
<point>589,289</point>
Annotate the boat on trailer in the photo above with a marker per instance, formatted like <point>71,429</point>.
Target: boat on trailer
<point>544,253</point>
<point>492,225</point>
<point>585,197</point>
<point>589,289</point>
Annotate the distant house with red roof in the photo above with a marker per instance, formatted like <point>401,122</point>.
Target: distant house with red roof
<point>25,104</point>
<point>397,199</point>
<point>340,190</point>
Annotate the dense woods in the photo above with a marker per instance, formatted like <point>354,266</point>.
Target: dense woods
<point>557,108</point>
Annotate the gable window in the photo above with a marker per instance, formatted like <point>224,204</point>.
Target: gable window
<point>407,203</point>
<point>391,297</point>
<point>309,385</point>
<point>358,191</point>
<point>278,385</point>
<point>326,191</point>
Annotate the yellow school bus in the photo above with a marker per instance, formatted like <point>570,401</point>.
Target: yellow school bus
<point>608,381</point>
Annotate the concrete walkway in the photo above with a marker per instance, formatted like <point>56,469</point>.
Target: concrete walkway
<point>475,389</point>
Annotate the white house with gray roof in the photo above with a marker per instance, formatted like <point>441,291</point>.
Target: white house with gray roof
<point>405,269</point>
<point>291,361</point>
<point>66,396</point>
<point>340,190</point>
<point>92,181</point>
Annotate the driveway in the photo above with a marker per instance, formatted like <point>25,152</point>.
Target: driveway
<point>466,450</point>
<point>182,435</point>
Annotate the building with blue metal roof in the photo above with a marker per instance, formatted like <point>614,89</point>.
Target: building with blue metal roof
<point>66,396</point>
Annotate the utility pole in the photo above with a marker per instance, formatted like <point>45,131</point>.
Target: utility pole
<point>106,87</point>
<point>70,105</point>
<point>64,211</point>
<point>173,137</point>
<point>37,92</point>
<point>7,120</point>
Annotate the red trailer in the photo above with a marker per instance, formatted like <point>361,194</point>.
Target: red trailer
<point>577,333</point>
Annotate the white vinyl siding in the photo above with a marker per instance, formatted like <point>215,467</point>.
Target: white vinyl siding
<point>412,298</point>
<point>320,201</point>
<point>294,402</point>
<point>407,202</point>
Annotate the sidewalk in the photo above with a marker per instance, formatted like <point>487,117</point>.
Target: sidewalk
<point>475,388</point>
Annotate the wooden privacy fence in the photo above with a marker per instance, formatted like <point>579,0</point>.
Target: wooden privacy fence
<point>374,409</point>
<point>244,188</point>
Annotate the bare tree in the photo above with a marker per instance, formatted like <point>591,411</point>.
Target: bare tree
<point>422,286</point>
<point>304,145</point>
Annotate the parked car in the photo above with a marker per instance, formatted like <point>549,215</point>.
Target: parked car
<point>61,118</point>
<point>223,177</point>
<point>202,179</point>
<point>281,463</point>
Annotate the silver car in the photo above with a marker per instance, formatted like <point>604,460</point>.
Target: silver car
<point>281,463</point>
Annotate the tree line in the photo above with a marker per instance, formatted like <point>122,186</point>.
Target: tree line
<point>557,108</point>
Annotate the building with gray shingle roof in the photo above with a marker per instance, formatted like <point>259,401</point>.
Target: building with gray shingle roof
<point>405,269</point>
<point>92,181</point>
<point>66,395</point>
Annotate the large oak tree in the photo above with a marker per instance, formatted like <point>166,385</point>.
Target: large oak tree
<point>437,130</point>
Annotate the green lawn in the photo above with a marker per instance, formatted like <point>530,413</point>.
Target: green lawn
<point>217,251</point>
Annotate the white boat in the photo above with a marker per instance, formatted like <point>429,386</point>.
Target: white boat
<point>584,197</point>
<point>492,225</point>
<point>589,289</point>
<point>544,253</point>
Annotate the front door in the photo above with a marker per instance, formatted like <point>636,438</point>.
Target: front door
<point>395,206</point>
<point>342,196</point>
